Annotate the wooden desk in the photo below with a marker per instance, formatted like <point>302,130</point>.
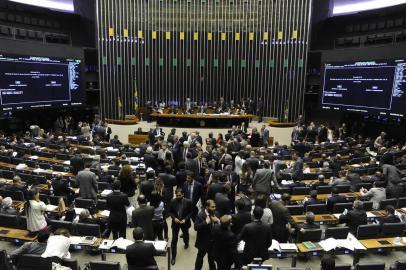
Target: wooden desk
<point>137,139</point>
<point>202,120</point>
<point>302,249</point>
<point>374,244</point>
<point>16,234</point>
<point>324,196</point>
<point>321,219</point>
<point>50,160</point>
<point>29,169</point>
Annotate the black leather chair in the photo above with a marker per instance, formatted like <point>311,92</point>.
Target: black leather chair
<point>363,185</point>
<point>291,268</point>
<point>9,221</point>
<point>392,229</point>
<point>317,208</point>
<point>295,210</point>
<point>83,229</point>
<point>72,264</point>
<point>368,205</point>
<point>84,203</point>
<point>343,188</point>
<point>398,265</point>
<point>324,189</point>
<point>29,262</point>
<point>370,266</point>
<point>7,174</point>
<point>103,185</point>
<point>368,231</point>
<point>58,224</point>
<point>300,191</point>
<point>337,232</point>
<point>5,262</point>
<point>384,203</point>
<point>401,202</point>
<point>340,207</point>
<point>313,235</point>
<point>104,265</point>
<point>343,267</point>
<point>101,204</point>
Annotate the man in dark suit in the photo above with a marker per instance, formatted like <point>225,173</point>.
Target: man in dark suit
<point>115,141</point>
<point>192,191</point>
<point>181,175</point>
<point>180,210</point>
<point>140,255</point>
<point>281,218</point>
<point>355,217</point>
<point>264,180</point>
<point>257,237</point>
<point>116,204</point>
<point>149,159</point>
<point>225,245</point>
<point>142,217</point>
<point>77,164</point>
<point>169,181</point>
<point>335,198</point>
<point>297,168</point>
<point>241,218</point>
<point>192,165</point>
<point>204,224</point>
<point>158,133</point>
<point>223,202</point>
<point>390,216</point>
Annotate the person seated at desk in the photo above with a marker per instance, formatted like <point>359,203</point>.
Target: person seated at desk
<point>255,139</point>
<point>140,255</point>
<point>61,188</point>
<point>312,200</point>
<point>355,217</point>
<point>7,208</point>
<point>376,194</point>
<point>335,198</point>
<point>341,181</point>
<point>328,262</point>
<point>35,247</point>
<point>58,245</point>
<point>17,185</point>
<point>115,166</point>
<point>35,208</point>
<point>390,216</point>
<point>307,225</point>
<point>115,141</point>
<point>321,182</point>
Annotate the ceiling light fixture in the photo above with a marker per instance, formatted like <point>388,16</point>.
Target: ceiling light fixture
<point>363,6</point>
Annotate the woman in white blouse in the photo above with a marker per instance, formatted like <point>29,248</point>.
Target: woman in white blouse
<point>35,212</point>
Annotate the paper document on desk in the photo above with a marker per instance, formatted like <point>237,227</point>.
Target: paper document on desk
<point>66,162</point>
<point>106,192</point>
<point>106,244</point>
<point>51,207</point>
<point>158,245</point>
<point>74,240</point>
<point>39,170</point>
<point>33,157</point>
<point>122,243</point>
<point>105,213</point>
<point>328,244</point>
<point>285,182</point>
<point>370,215</point>
<point>344,243</point>
<point>240,247</point>
<point>287,247</point>
<point>337,216</point>
<point>275,246</point>
<point>357,245</point>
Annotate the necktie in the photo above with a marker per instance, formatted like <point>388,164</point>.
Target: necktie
<point>199,164</point>
<point>184,154</point>
<point>190,191</point>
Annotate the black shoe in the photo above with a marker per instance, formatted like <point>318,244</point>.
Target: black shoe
<point>173,261</point>
<point>186,246</point>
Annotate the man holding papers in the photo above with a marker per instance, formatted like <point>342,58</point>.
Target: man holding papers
<point>140,254</point>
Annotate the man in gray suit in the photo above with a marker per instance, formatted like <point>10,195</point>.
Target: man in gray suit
<point>263,179</point>
<point>87,183</point>
<point>142,217</point>
<point>264,136</point>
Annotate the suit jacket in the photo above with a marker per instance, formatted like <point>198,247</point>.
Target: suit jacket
<point>265,137</point>
<point>281,217</point>
<point>333,200</point>
<point>239,220</point>
<point>180,178</point>
<point>116,203</point>
<point>181,210</point>
<point>87,183</point>
<point>196,193</point>
<point>255,140</point>
<point>353,219</point>
<point>297,170</point>
<point>151,161</point>
<point>155,133</point>
<point>169,182</point>
<point>225,246</point>
<point>146,188</point>
<point>253,163</point>
<point>389,219</point>
<point>223,204</point>
<point>142,217</point>
<point>258,238</point>
<point>77,164</point>
<point>214,189</point>
<point>140,255</point>
<point>262,181</point>
<point>204,237</point>
<point>193,166</point>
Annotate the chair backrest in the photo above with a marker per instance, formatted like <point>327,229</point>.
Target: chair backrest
<point>300,191</point>
<point>392,229</point>
<point>10,221</point>
<point>313,235</point>
<point>84,229</point>
<point>113,172</point>
<point>340,207</point>
<point>72,264</point>
<point>5,262</point>
<point>324,189</point>
<point>103,185</point>
<point>387,202</point>
<point>83,203</point>
<point>368,205</point>
<point>368,231</point>
<point>29,261</point>
<point>54,200</point>
<point>104,265</point>
<point>401,202</point>
<point>317,208</point>
<point>343,188</point>
<point>337,232</point>
<point>345,266</point>
<point>295,209</point>
<point>370,266</point>
<point>399,265</point>
<point>7,174</point>
<point>291,268</point>
<point>101,204</point>
<point>58,224</point>
<point>362,185</point>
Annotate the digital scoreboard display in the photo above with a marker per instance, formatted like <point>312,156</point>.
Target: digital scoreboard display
<point>370,87</point>
<point>36,82</point>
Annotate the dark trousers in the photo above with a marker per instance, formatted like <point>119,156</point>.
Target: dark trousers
<point>199,259</point>
<point>158,226</point>
<point>175,236</point>
<point>222,265</point>
<point>118,229</point>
